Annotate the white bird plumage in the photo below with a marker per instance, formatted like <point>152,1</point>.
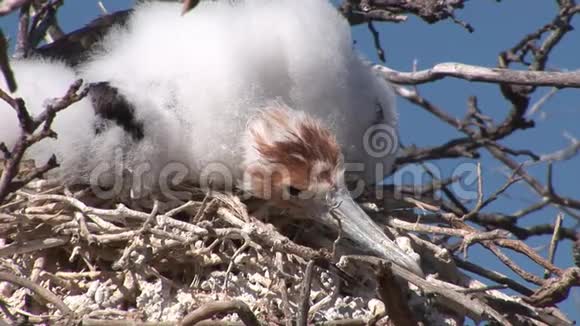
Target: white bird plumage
<point>197,81</point>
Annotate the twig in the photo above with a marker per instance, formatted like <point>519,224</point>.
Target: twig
<point>336,242</point>
<point>534,184</point>
<point>493,275</point>
<point>554,241</point>
<point>102,8</point>
<point>5,64</point>
<point>305,295</point>
<point>285,302</point>
<point>538,105</point>
<point>377,40</point>
<point>555,290</point>
<point>180,209</point>
<point>38,290</point>
<point>511,180</point>
<point>7,313</point>
<point>241,249</point>
<point>44,18</point>
<point>22,46</point>
<point>18,247</point>
<point>151,219</point>
<point>514,267</point>
<point>424,228</point>
<point>202,210</point>
<point>479,203</point>
<point>480,237</point>
<point>213,308</point>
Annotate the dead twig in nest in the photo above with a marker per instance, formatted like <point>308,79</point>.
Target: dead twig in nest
<point>220,307</point>
<point>38,290</point>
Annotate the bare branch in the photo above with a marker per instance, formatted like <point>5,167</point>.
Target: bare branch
<point>359,11</point>
<point>482,74</point>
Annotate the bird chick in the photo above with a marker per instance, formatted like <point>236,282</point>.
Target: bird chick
<point>266,95</point>
<point>289,155</point>
<point>294,161</point>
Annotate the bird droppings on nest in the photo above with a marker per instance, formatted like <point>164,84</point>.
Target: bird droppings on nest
<point>159,302</point>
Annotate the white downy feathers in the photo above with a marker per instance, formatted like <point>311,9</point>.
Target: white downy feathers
<point>196,80</point>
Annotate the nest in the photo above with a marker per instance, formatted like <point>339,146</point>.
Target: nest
<point>69,256</point>
<point>148,260</point>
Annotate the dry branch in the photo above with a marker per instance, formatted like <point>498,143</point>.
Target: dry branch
<point>482,74</point>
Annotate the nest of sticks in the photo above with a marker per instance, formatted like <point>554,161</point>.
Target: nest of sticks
<point>70,257</point>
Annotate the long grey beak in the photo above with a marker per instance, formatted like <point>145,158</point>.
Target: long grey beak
<point>358,226</point>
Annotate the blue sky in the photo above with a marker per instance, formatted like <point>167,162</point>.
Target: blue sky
<point>498,26</point>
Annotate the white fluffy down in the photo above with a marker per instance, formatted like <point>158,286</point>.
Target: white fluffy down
<point>197,79</point>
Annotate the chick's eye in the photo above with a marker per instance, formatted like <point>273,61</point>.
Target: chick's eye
<point>293,191</point>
